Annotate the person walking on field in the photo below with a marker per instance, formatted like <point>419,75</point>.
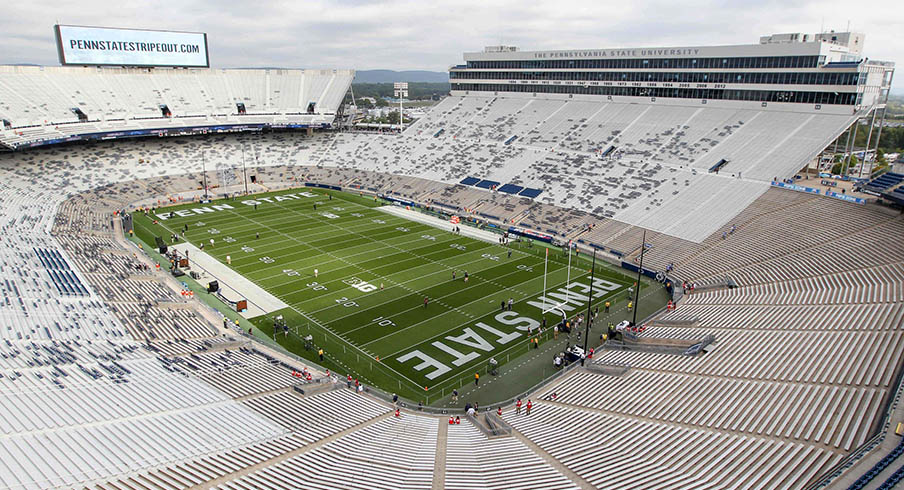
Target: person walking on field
<point>320,353</point>
<point>315,273</point>
<point>476,379</point>
<point>425,301</point>
<point>510,303</point>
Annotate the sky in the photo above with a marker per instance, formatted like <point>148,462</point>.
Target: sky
<point>432,35</point>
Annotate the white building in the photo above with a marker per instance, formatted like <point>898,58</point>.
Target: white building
<point>798,72</point>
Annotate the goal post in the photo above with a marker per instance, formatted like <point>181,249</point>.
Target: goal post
<point>557,307</point>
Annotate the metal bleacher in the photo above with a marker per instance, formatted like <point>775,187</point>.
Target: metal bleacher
<point>38,101</point>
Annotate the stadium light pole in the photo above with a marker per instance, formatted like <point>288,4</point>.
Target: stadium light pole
<point>589,304</point>
<point>643,246</point>
<point>204,174</point>
<point>568,276</point>
<point>545,264</point>
<point>401,90</point>
<point>244,173</point>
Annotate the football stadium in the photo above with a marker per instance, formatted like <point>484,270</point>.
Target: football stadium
<point>588,268</point>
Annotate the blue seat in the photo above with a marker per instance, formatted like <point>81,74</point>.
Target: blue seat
<point>486,184</point>
<point>511,189</point>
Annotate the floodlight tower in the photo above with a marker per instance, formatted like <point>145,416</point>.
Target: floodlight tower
<point>400,90</point>
<point>204,174</point>
<point>244,174</point>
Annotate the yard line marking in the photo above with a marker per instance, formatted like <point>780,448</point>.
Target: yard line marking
<point>239,266</point>
<point>441,314</point>
<point>437,300</point>
<point>413,254</point>
<point>392,287</point>
<point>314,320</point>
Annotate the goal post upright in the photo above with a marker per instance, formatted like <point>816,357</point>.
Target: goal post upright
<point>568,276</point>
<point>545,265</point>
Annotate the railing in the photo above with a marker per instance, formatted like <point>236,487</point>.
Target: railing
<point>666,322</point>
<point>497,426</point>
<point>608,369</point>
<point>725,282</point>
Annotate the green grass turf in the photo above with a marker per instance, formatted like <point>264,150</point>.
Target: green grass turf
<point>375,269</point>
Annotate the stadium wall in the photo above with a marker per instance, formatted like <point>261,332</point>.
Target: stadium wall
<point>712,103</point>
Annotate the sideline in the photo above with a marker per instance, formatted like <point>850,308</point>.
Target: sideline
<point>418,217</point>
<point>260,302</point>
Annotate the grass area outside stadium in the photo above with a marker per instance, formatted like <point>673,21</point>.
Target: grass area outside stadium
<point>365,305</point>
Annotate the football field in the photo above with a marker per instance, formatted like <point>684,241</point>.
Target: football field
<point>356,279</point>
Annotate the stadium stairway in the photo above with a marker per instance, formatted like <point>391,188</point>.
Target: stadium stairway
<point>555,463</point>
<point>289,454</point>
<point>439,462</point>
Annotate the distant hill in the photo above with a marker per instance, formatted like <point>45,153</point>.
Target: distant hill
<point>389,76</point>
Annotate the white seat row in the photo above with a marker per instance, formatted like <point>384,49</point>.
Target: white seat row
<point>816,414</point>
<point>394,453</point>
<point>475,462</point>
<point>622,452</point>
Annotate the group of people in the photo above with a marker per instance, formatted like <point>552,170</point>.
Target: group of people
<point>509,305</point>
<point>729,232</point>
<point>465,276</point>
<point>358,387</point>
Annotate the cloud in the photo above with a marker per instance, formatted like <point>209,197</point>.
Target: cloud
<point>430,35</point>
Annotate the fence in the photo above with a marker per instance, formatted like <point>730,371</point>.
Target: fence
<point>608,369</point>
